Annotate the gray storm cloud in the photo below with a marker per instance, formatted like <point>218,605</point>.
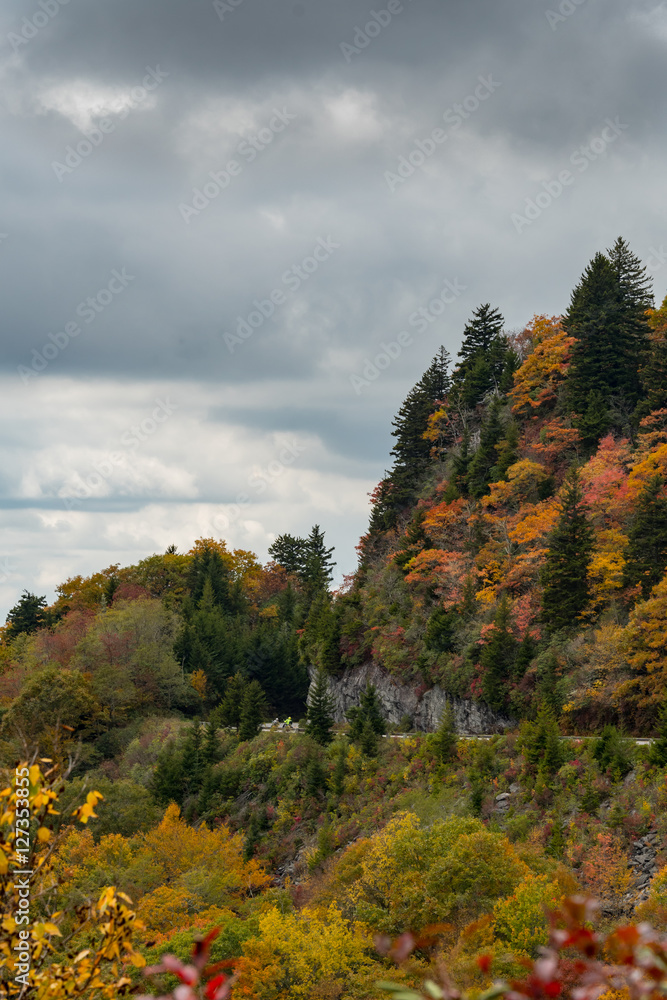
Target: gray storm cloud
<point>170,169</point>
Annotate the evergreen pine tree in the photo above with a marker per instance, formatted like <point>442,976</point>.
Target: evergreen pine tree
<point>27,615</point>
<point>441,629</point>
<point>658,751</point>
<point>480,471</point>
<point>416,540</point>
<point>458,484</point>
<point>372,709</point>
<point>486,361</point>
<point>635,299</point>
<point>525,655</point>
<point>369,711</point>
<point>566,592</point>
<point>229,710</point>
<point>319,716</point>
<point>168,780</point>
<point>290,553</point>
<point>194,758</point>
<point>316,777</point>
<point>646,554</point>
<point>340,769</point>
<point>547,669</point>
<point>318,567</point>
<point>445,738</point>
<point>607,315</point>
<point>411,452</point>
<point>540,741</point>
<point>612,752</point>
<point>479,335</point>
<point>211,747</point>
<point>208,641</point>
<point>286,603</point>
<point>507,452</point>
<point>594,422</point>
<point>253,711</point>
<point>320,639</point>
<point>498,656</point>
<point>208,566</point>
<point>592,318</point>
<point>368,739</point>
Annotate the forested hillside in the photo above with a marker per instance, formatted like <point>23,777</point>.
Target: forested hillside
<point>517,546</point>
<point>516,556</point>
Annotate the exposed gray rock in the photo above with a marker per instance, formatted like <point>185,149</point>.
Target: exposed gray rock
<point>425,709</point>
<point>514,788</point>
<point>643,864</point>
<point>502,797</point>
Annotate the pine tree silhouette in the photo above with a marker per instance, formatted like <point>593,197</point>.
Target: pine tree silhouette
<point>319,716</point>
<point>566,591</point>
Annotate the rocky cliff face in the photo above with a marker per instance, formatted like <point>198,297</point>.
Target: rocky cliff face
<point>399,700</point>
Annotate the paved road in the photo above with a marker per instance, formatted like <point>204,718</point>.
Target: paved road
<point>294,728</point>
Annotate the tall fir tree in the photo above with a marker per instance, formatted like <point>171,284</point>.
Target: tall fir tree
<point>592,318</point>
<point>594,422</point>
<point>209,567</point>
<point>608,317</point>
<point>486,361</point>
<point>498,656</point>
<point>27,615</point>
<point>566,590</point>
<point>320,638</point>
<point>290,553</point>
<point>458,481</point>
<point>658,751</point>
<point>482,466</point>
<point>319,717</point>
<point>635,301</point>
<point>507,452</point>
<point>367,714</point>
<point>479,334</point>
<point>318,567</point>
<point>445,737</point>
<point>228,712</point>
<point>646,554</point>
<point>253,711</point>
<point>411,452</point>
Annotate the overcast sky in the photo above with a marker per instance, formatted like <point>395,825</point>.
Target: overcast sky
<point>213,215</point>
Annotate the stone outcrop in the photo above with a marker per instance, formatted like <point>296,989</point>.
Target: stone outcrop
<point>399,700</point>
<point>643,864</point>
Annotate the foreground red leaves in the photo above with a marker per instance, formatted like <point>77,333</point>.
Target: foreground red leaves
<point>579,963</point>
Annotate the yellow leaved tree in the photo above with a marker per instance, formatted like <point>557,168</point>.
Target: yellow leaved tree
<point>299,956</point>
<point>47,954</point>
